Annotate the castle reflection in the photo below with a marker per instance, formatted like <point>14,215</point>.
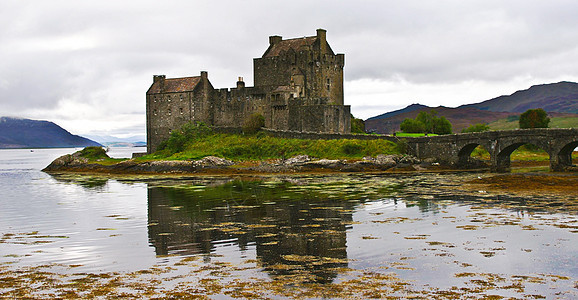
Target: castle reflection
<point>297,230</point>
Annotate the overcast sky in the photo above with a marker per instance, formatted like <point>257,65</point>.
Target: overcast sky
<point>86,65</point>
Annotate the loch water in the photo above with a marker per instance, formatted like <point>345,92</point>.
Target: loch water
<point>311,234</point>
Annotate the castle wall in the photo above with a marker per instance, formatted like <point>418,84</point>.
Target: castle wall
<point>166,112</point>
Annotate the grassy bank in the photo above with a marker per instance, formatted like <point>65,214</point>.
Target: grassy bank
<point>260,146</point>
<point>556,122</point>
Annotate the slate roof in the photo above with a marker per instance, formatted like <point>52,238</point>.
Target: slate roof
<point>285,45</point>
<point>175,85</point>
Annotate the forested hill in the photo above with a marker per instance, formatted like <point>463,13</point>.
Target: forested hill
<point>25,133</point>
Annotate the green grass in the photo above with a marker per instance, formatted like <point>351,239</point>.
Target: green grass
<point>559,122</point>
<point>524,153</point>
<point>403,134</point>
<point>260,147</point>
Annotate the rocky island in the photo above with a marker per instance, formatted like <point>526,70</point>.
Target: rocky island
<point>95,160</point>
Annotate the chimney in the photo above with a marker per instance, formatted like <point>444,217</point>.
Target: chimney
<point>161,81</point>
<point>322,38</point>
<point>240,83</point>
<point>204,76</point>
<point>274,39</point>
<point>157,78</point>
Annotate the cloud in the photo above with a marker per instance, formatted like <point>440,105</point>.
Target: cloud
<point>88,63</point>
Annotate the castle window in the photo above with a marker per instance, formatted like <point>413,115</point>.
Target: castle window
<point>181,110</point>
<point>328,84</point>
<point>155,112</point>
<point>169,98</point>
<point>169,111</point>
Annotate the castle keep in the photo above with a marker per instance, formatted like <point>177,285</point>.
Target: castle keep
<point>298,87</point>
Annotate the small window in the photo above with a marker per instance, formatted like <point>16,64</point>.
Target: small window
<point>328,84</point>
<point>181,110</point>
<point>169,111</point>
<point>155,112</point>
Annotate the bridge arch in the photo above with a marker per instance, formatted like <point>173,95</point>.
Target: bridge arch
<point>465,153</point>
<point>563,157</point>
<point>502,159</point>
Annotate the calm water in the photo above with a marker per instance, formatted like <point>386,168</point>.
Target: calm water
<point>424,231</point>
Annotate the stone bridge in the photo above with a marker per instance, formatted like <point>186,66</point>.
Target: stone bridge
<point>455,149</point>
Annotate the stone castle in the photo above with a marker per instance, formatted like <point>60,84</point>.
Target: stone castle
<point>298,87</point>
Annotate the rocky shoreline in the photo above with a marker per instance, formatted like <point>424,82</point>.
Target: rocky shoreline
<point>215,165</point>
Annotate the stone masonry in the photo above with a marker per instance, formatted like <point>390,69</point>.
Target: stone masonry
<point>298,87</point>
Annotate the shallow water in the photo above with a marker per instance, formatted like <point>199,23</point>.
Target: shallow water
<point>305,236</point>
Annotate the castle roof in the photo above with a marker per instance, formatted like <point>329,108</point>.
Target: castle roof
<point>174,85</point>
<point>285,45</point>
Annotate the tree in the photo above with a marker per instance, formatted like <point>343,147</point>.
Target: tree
<point>534,118</point>
<point>479,127</point>
<point>412,126</point>
<point>441,125</point>
<point>427,122</point>
<point>357,125</point>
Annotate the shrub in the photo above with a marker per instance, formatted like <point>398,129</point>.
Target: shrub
<point>93,152</point>
<point>179,139</point>
<point>402,146</point>
<point>357,125</point>
<point>480,127</point>
<point>253,124</point>
<point>350,148</point>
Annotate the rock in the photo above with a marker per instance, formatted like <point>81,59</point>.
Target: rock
<point>324,163</point>
<point>66,161</point>
<point>385,160</point>
<point>213,161</point>
<point>297,160</point>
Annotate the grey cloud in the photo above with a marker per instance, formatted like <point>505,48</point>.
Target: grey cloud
<point>424,42</point>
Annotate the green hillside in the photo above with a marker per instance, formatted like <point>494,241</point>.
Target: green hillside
<point>555,122</point>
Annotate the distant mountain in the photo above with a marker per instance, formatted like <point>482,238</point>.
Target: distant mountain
<point>559,97</point>
<point>407,109</point>
<point>112,141</point>
<point>459,117</point>
<point>25,133</point>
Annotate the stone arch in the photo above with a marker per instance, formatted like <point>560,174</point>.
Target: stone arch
<point>464,154</point>
<point>564,156</point>
<point>502,160</point>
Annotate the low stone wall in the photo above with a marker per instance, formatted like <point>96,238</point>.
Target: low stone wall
<point>311,135</point>
<point>327,136</point>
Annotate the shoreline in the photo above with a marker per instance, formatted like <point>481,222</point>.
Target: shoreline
<point>211,165</point>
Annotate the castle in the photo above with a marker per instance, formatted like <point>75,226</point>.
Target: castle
<point>298,87</point>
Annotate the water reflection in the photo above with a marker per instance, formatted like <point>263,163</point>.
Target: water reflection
<point>296,233</point>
